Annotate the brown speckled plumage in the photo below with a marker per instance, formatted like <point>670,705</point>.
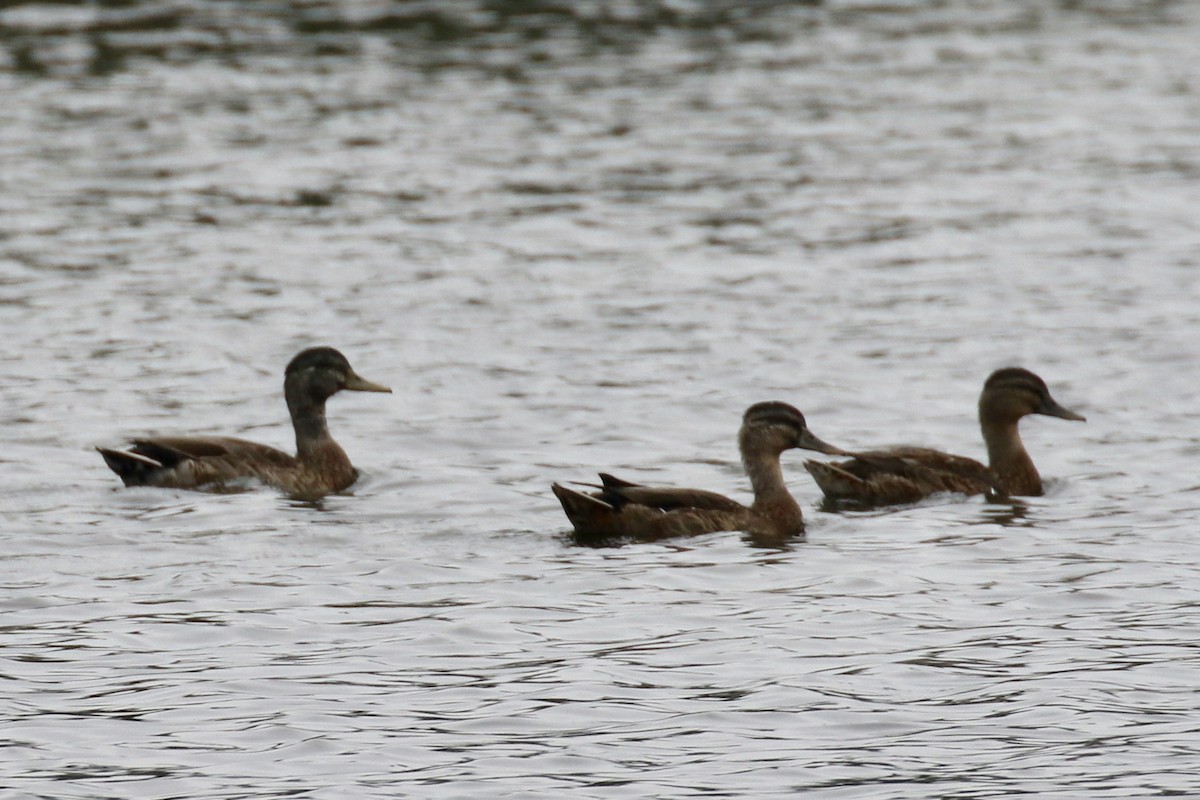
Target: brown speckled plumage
<point>908,474</point>
<point>216,463</point>
<point>627,511</point>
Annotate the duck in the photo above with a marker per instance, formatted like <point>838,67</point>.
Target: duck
<point>623,511</point>
<point>220,463</point>
<point>902,475</point>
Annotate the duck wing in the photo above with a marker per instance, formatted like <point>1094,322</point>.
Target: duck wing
<point>600,518</point>
<point>620,493</point>
<point>900,475</point>
<point>190,462</point>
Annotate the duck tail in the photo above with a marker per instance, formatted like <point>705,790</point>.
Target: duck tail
<point>134,469</point>
<point>583,510</point>
<point>613,482</point>
<point>832,479</point>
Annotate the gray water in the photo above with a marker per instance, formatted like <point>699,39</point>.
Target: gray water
<point>580,237</point>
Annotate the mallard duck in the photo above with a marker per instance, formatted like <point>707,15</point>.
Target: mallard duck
<point>907,474</point>
<point>319,467</point>
<point>621,510</point>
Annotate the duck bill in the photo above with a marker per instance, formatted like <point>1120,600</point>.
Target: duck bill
<point>357,383</point>
<point>808,441</point>
<point>1051,408</point>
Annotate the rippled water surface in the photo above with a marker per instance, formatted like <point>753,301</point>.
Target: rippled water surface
<point>586,236</point>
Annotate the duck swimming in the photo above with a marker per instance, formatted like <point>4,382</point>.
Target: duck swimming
<point>319,467</point>
<point>907,474</point>
<point>622,511</point>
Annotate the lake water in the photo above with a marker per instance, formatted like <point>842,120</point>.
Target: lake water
<point>581,237</point>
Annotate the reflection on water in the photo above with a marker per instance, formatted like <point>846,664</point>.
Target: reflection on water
<point>581,235</point>
<point>1009,513</point>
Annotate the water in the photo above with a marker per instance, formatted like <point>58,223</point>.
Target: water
<point>587,237</point>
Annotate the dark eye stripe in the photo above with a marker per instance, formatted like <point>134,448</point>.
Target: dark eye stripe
<point>774,413</point>
<point>1015,379</point>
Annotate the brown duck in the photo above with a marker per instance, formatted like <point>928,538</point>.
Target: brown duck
<point>625,511</point>
<point>908,474</point>
<point>213,463</point>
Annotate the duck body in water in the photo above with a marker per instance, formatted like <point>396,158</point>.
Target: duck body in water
<point>214,463</point>
<point>908,474</point>
<point>627,511</point>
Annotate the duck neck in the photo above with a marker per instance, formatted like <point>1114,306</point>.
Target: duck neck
<point>771,496</point>
<point>313,442</point>
<point>1008,458</point>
